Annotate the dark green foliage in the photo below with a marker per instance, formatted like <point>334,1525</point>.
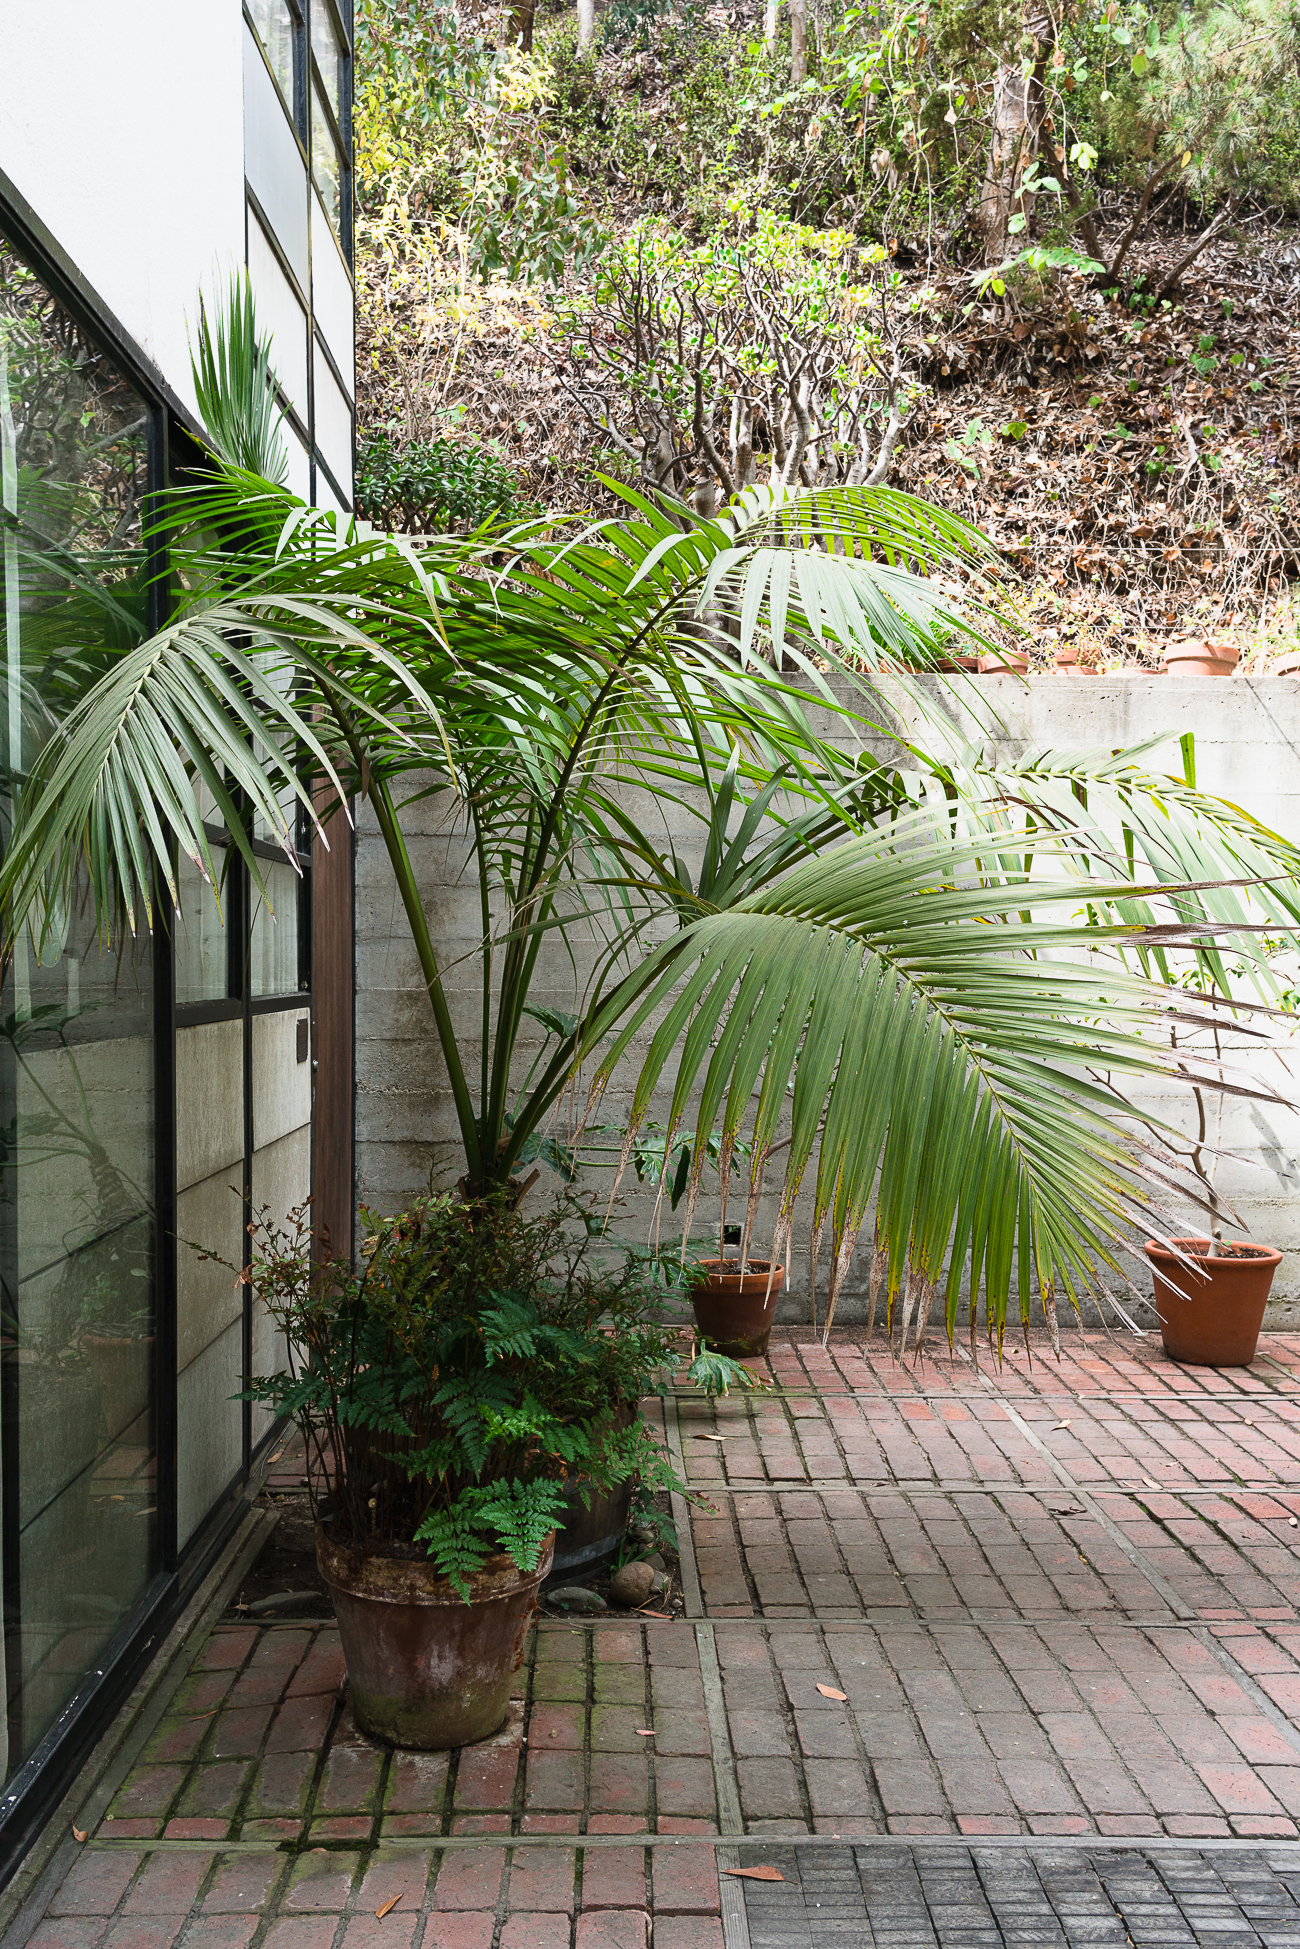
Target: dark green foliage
<point>473,1368</point>
<point>433,487</point>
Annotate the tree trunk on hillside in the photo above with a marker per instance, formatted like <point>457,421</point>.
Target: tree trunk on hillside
<point>521,24</point>
<point>586,23</point>
<point>1018,108</point>
<point>770,15</point>
<point>798,43</point>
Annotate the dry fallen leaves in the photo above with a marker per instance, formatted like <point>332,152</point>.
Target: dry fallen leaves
<point>79,1833</point>
<point>829,1692</point>
<point>392,1902</point>
<point>710,1438</point>
<point>1062,1424</point>
<point>756,1874</point>
<point>645,1732</point>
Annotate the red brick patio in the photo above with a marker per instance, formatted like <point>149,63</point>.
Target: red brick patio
<point>1060,1599</point>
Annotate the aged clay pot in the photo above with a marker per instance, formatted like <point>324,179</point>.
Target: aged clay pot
<point>1197,656</point>
<point>1009,660</point>
<point>592,1530</point>
<point>1212,1321</point>
<point>734,1311</point>
<point>1068,663</point>
<point>426,1669</point>
<point>1286,666</point>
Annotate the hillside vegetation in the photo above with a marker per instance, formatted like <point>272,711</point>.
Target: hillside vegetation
<point>1042,268</point>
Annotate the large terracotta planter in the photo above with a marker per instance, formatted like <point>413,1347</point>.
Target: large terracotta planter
<point>734,1311</point>
<point>1212,1321</point>
<point>1197,656</point>
<point>1004,663</point>
<point>426,1669</point>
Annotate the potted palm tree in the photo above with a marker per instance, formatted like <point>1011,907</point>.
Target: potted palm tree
<point>849,968</point>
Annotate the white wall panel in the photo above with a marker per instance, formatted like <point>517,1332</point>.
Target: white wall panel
<point>123,127</point>
<point>331,295</point>
<point>333,425</point>
<point>279,312</point>
<point>273,161</point>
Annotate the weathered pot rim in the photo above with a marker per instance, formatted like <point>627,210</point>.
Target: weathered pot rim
<point>1163,1256</point>
<point>413,1580</point>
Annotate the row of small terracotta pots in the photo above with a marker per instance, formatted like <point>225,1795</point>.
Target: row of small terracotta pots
<point>1211,1307</point>
<point>1190,656</point>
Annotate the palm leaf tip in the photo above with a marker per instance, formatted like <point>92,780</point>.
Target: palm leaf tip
<point>235,385</point>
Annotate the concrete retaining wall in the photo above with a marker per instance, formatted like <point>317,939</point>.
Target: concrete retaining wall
<point>1247,734</point>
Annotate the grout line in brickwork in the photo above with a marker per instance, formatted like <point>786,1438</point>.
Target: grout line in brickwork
<point>722,1843</point>
<point>692,1601</point>
<point>1254,1692</point>
<point>725,1781</point>
<point>731,1894</point>
<point>1158,1583</point>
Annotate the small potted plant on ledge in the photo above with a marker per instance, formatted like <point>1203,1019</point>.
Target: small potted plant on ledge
<point>1210,1293</point>
<point>452,1393</point>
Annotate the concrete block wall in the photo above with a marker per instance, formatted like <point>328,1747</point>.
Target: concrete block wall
<point>1247,736</point>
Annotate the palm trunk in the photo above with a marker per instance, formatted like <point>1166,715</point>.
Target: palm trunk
<point>586,23</point>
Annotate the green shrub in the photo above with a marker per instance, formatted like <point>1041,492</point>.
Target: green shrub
<point>435,486</point>
<point>473,1368</point>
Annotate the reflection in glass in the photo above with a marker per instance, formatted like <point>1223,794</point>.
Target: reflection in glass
<point>76,1050</point>
<point>277,26</point>
<point>325,166</point>
<point>328,55</point>
<point>200,956</point>
<point>273,942</point>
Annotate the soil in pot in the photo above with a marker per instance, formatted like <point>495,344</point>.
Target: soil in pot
<point>734,1311</point>
<point>426,1669</point>
<point>1212,1321</point>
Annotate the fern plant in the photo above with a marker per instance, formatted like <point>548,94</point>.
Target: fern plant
<point>452,1389</point>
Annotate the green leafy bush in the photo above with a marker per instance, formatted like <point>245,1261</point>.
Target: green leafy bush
<point>471,1370</point>
<point>433,487</point>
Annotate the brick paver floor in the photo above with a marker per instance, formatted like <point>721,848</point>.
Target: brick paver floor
<point>940,1604</point>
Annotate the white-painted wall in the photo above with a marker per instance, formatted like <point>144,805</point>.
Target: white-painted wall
<point>122,124</point>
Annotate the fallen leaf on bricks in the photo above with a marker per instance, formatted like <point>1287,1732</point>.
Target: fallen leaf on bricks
<point>380,1913</point>
<point>645,1732</point>
<point>710,1438</point>
<point>79,1833</point>
<point>1061,1424</point>
<point>756,1874</point>
<point>829,1692</point>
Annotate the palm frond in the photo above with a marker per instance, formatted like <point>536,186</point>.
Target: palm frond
<point>942,1058</point>
<point>235,385</point>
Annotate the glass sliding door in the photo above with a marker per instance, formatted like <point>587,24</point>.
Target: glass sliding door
<point>78,1247</point>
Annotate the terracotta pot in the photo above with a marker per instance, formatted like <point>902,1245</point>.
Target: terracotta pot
<point>734,1311</point>
<point>968,663</point>
<point>1286,666</point>
<point>1016,661</point>
<point>594,1524</point>
<point>1212,1321</point>
<point>1068,665</point>
<point>1197,656</point>
<point>426,1669</point>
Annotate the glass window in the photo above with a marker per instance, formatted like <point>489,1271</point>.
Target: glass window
<point>328,56</point>
<point>276,22</point>
<point>77,1446</point>
<point>326,166</point>
<point>273,942</point>
<point>201,957</point>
